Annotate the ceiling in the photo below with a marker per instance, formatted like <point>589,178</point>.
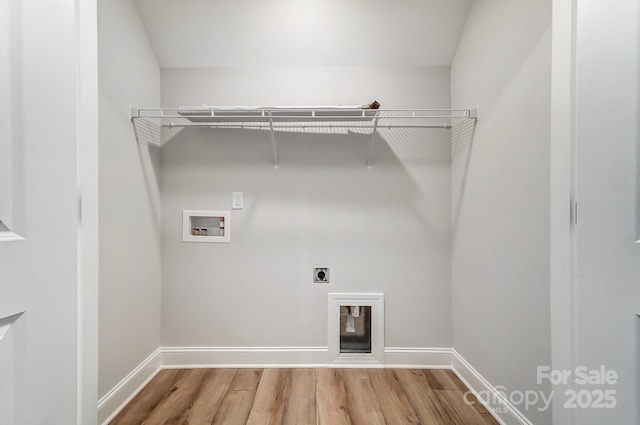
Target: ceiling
<point>303,33</point>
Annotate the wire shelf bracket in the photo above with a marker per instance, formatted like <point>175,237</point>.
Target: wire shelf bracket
<point>374,133</point>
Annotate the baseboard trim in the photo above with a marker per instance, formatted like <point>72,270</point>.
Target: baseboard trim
<point>243,357</point>
<point>115,400</point>
<point>499,407</point>
<point>417,358</point>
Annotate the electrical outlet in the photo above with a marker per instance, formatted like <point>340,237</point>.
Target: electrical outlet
<point>320,274</point>
<point>237,201</point>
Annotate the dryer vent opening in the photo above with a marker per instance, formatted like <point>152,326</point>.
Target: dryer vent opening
<point>355,329</point>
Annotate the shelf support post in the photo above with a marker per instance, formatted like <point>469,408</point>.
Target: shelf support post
<point>373,144</point>
<point>274,147</point>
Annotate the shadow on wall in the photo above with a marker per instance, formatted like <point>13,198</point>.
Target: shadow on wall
<point>149,151</point>
<point>385,230</point>
<point>150,161</point>
<point>428,145</point>
<point>322,168</point>
<point>461,146</point>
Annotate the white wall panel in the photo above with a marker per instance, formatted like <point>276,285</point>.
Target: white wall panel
<point>385,230</point>
<point>500,273</point>
<point>129,197</point>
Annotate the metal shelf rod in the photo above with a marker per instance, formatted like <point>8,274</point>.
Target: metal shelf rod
<point>258,110</point>
<point>299,118</point>
<point>280,128</point>
<point>297,114</point>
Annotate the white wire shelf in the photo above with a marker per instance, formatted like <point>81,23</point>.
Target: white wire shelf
<point>158,126</point>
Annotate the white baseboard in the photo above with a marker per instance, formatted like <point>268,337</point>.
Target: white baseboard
<point>235,357</point>
<point>265,357</point>
<point>417,358</point>
<point>501,409</point>
<point>115,400</point>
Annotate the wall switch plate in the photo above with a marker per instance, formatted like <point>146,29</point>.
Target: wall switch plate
<point>320,274</point>
<point>237,201</point>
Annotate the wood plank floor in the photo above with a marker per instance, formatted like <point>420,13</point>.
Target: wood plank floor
<point>303,397</point>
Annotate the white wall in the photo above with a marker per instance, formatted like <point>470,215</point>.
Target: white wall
<point>278,33</point>
<point>608,261</point>
<point>500,254</point>
<point>386,230</point>
<point>129,197</point>
<point>41,275</point>
<point>393,87</point>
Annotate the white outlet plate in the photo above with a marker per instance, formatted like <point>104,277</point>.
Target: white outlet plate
<point>237,201</point>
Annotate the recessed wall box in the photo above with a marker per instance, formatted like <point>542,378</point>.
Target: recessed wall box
<point>320,274</point>
<point>206,226</point>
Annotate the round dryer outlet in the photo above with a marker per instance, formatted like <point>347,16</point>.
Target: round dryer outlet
<point>320,274</point>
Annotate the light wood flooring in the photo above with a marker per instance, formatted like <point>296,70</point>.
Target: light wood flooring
<point>303,397</point>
